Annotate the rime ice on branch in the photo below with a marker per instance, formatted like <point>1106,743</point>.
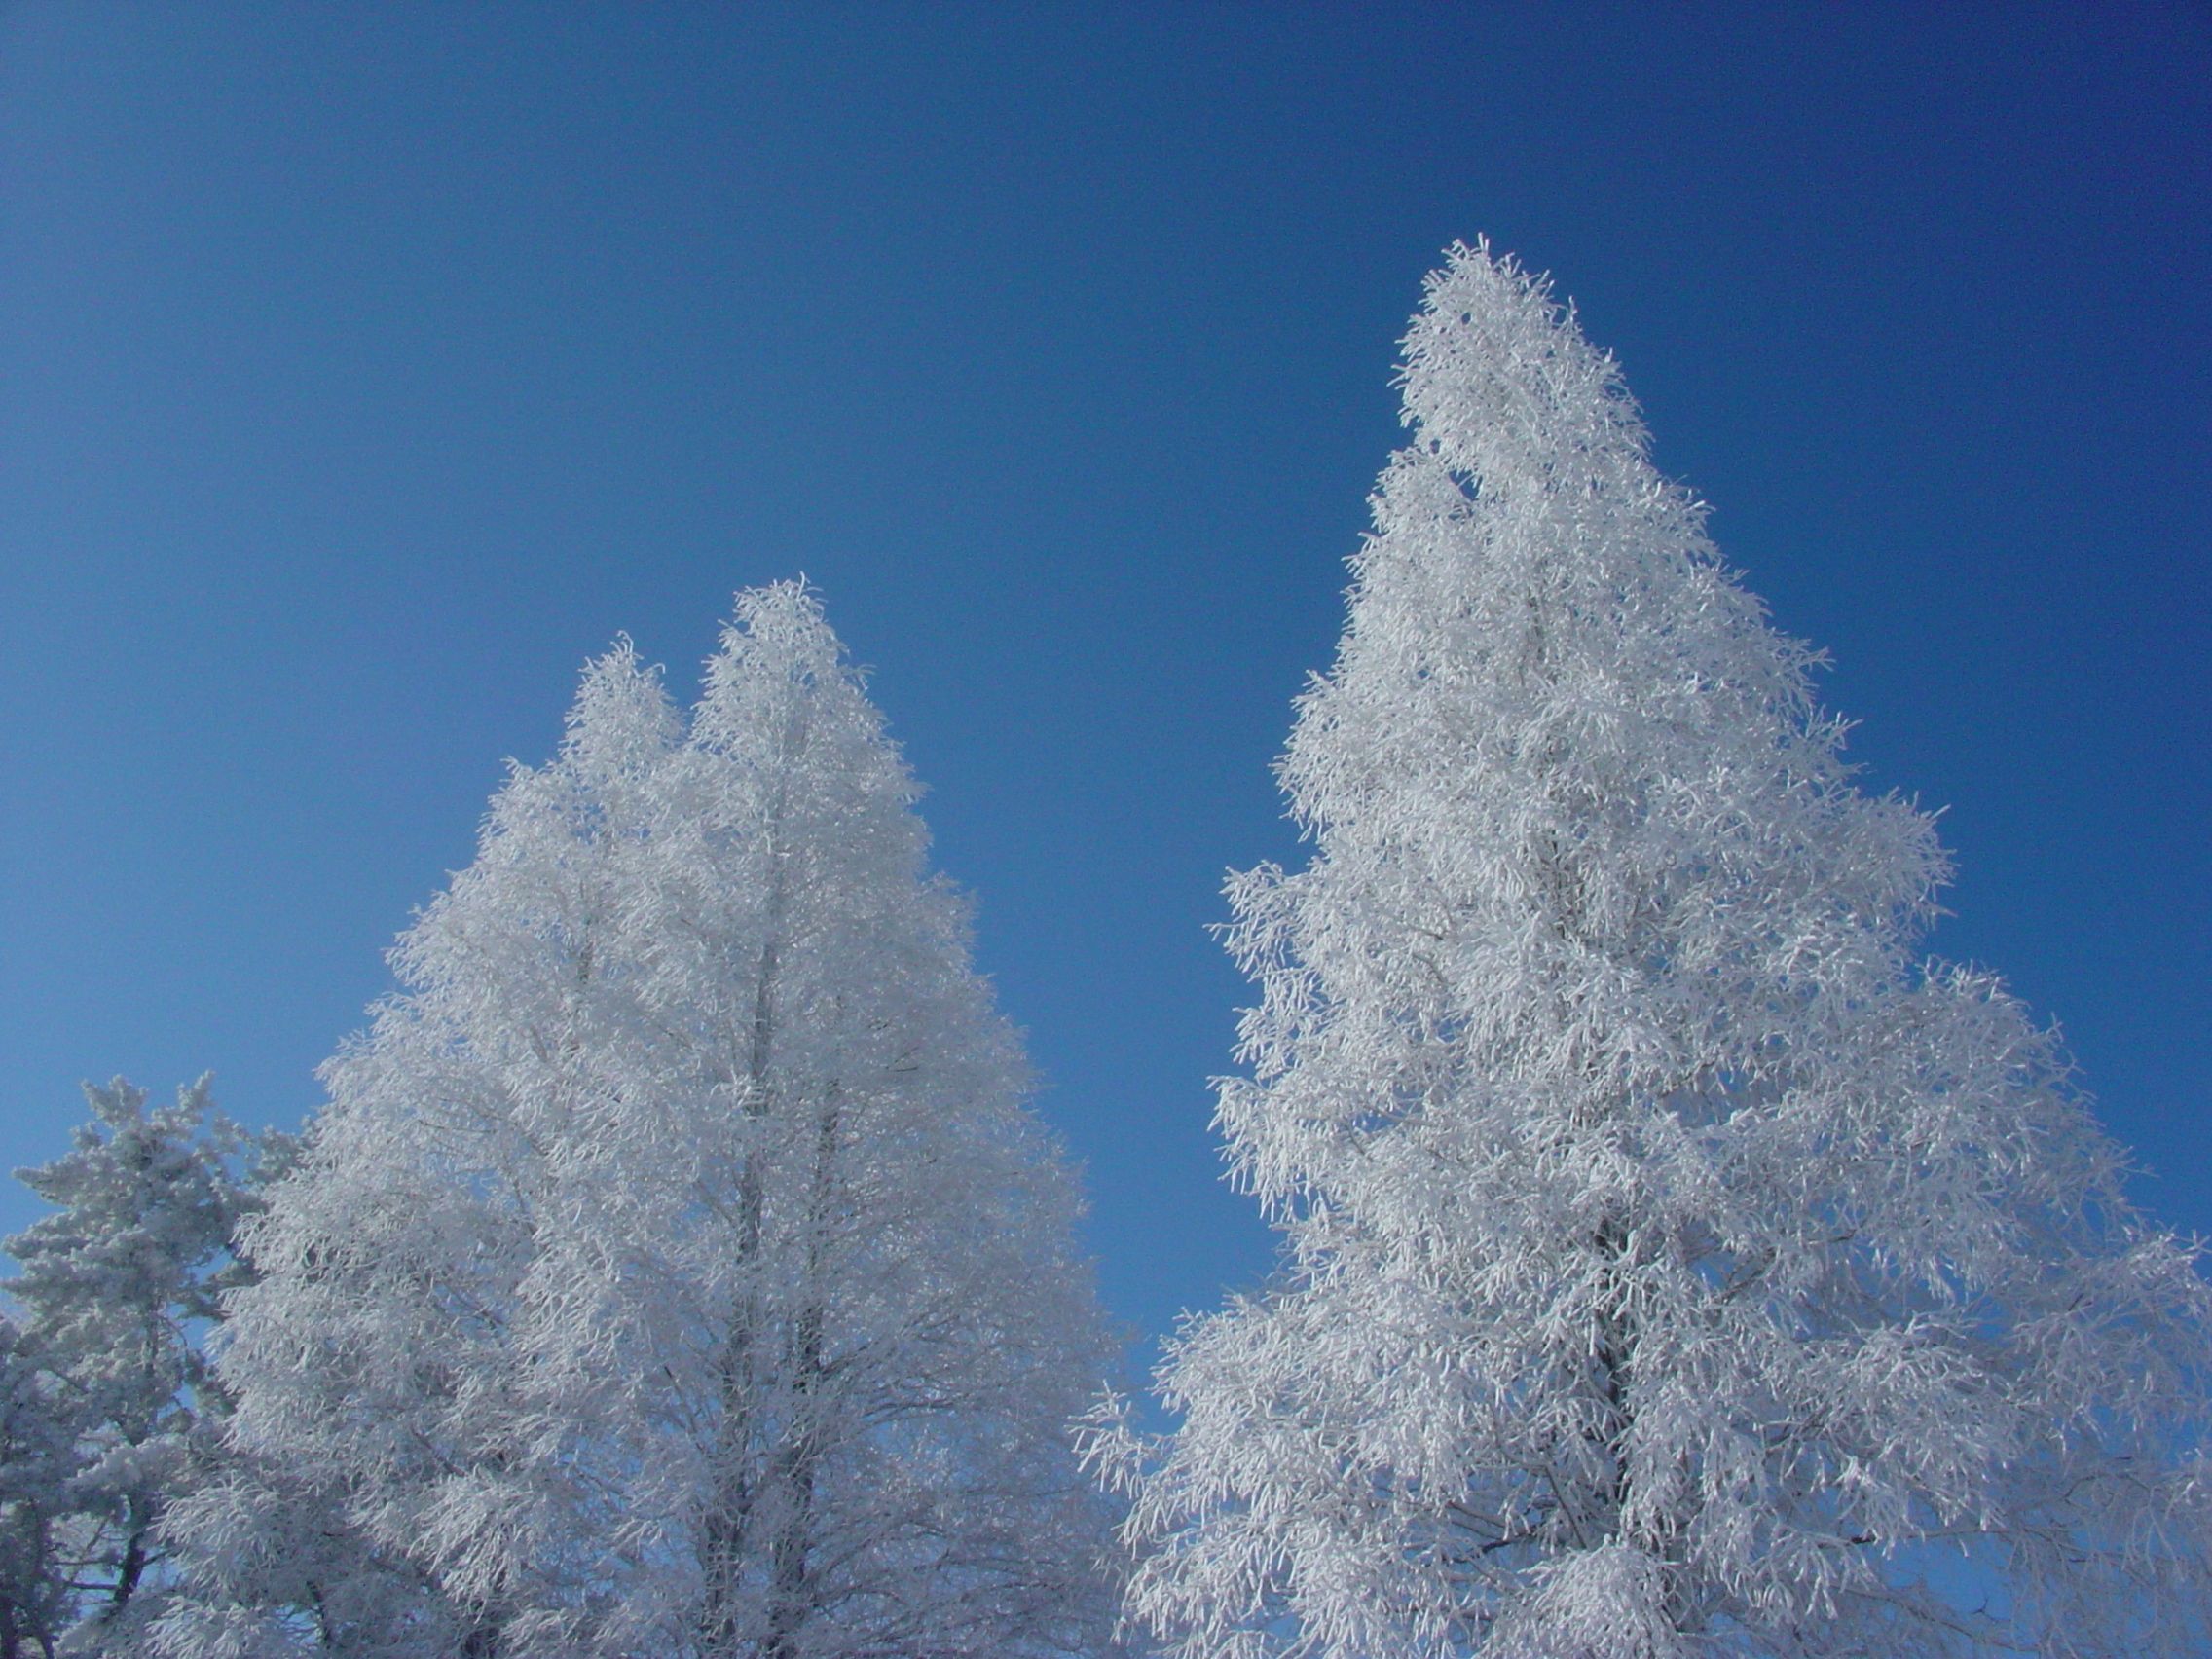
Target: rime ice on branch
<point>1675,1265</point>
<point>675,1269</point>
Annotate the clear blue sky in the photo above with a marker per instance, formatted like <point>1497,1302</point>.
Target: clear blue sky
<point>363,369</point>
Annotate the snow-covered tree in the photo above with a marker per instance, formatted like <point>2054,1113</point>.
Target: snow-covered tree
<point>676,1268</point>
<point>1675,1263</point>
<point>38,1435</point>
<point>108,1395</point>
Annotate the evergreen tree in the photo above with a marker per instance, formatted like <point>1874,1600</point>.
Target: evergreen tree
<point>1675,1263</point>
<point>38,1454</point>
<point>675,1268</point>
<point>109,1397</point>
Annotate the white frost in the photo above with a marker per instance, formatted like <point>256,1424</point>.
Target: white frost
<point>1675,1263</point>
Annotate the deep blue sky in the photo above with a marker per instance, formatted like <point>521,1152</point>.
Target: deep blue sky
<point>363,369</point>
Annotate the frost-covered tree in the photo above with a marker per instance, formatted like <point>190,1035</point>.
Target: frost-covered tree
<point>108,1395</point>
<point>38,1434</point>
<point>1675,1263</point>
<point>675,1269</point>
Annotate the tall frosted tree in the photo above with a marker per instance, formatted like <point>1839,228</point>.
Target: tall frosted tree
<point>1675,1263</point>
<point>676,1268</point>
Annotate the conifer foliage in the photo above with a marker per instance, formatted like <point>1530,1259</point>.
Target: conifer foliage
<point>107,1411</point>
<point>675,1268</point>
<point>1675,1265</point>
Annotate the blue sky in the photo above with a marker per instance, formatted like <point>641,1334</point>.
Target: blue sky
<point>363,370</point>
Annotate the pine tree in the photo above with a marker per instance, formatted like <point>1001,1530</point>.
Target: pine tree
<point>109,1392</point>
<point>39,1426</point>
<point>1674,1265</point>
<point>675,1268</point>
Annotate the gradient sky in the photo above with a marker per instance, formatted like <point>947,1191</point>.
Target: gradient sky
<point>364,369</point>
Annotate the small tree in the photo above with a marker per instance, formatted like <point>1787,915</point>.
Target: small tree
<point>109,1397</point>
<point>675,1268</point>
<point>38,1454</point>
<point>1674,1265</point>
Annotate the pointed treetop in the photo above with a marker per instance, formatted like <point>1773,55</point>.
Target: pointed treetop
<point>782,623</point>
<point>782,688</point>
<point>621,690</point>
<point>1497,374</point>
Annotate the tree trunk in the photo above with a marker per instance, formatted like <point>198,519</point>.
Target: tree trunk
<point>723,1529</point>
<point>137,1528</point>
<point>800,1456</point>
